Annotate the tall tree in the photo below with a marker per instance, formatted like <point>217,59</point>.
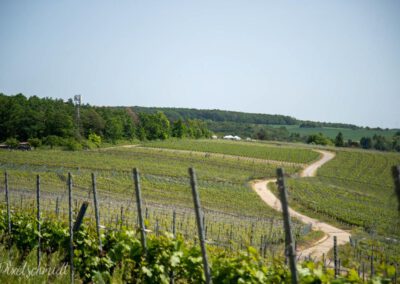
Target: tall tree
<point>178,129</point>
<point>339,140</point>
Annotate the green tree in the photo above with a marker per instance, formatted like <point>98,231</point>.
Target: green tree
<point>366,142</point>
<point>178,129</point>
<point>156,126</point>
<point>59,123</point>
<point>35,142</point>
<point>396,143</point>
<point>197,129</point>
<point>339,140</point>
<point>92,122</point>
<point>114,129</point>
<point>381,143</point>
<point>52,140</point>
<point>319,139</point>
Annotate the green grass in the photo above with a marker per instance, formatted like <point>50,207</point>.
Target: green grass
<point>243,149</point>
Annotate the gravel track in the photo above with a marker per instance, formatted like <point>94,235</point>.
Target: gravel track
<point>321,247</point>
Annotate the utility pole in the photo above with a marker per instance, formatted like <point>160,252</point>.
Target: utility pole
<point>78,100</point>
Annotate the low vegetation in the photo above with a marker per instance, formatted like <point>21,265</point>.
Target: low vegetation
<point>355,190</point>
<point>243,149</point>
<point>123,259</point>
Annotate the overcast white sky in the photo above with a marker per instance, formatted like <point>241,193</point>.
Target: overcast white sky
<point>336,61</point>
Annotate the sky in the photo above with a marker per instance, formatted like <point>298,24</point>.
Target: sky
<point>335,61</point>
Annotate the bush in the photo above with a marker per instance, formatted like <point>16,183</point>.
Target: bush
<point>72,145</point>
<point>35,142</point>
<point>319,139</point>
<point>88,145</point>
<point>53,140</point>
<point>12,143</point>
<point>95,139</point>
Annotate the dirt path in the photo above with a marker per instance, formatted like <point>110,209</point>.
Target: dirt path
<point>324,245</point>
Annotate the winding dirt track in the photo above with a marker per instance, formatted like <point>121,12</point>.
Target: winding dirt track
<point>324,245</point>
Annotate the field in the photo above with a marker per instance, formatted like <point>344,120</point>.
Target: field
<point>235,216</point>
<point>353,134</point>
<point>243,149</point>
<point>354,191</point>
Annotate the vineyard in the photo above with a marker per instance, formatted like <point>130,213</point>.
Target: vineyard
<point>243,149</point>
<point>234,217</point>
<point>356,190</point>
<point>123,259</point>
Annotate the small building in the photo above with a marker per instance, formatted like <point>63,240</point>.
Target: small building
<point>25,146</point>
<point>4,146</point>
<point>230,137</point>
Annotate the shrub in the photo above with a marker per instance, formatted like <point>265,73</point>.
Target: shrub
<point>72,145</point>
<point>12,143</point>
<point>35,142</point>
<point>52,140</point>
<point>95,139</point>
<point>88,145</point>
<point>319,139</point>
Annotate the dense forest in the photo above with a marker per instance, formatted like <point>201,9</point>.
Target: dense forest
<point>58,123</point>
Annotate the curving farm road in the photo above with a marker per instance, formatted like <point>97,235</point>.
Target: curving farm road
<point>324,245</point>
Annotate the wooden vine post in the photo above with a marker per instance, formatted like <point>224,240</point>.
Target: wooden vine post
<point>136,178</point>
<point>335,255</point>
<point>96,210</point>
<point>289,241</point>
<point>38,219</point>
<point>79,218</point>
<point>7,203</point>
<point>200,225</point>
<point>71,231</point>
<point>396,178</point>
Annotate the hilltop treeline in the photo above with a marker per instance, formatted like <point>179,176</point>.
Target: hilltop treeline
<point>55,121</point>
<point>219,115</point>
<point>238,117</point>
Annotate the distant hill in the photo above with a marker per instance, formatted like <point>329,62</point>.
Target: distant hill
<point>239,117</point>
<point>219,115</point>
<point>267,126</point>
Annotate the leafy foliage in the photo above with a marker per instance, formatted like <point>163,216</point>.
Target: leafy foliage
<point>123,258</point>
<point>56,122</point>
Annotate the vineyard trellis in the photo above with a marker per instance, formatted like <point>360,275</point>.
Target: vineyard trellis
<point>164,218</point>
<point>79,196</point>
